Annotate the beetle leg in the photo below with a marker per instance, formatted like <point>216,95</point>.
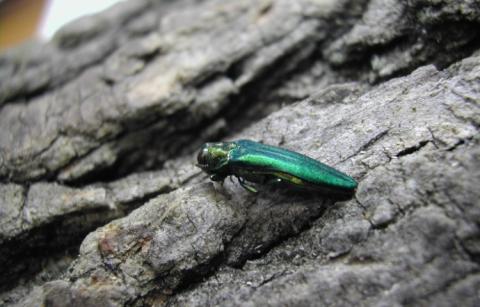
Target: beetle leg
<point>274,181</point>
<point>216,177</point>
<point>246,186</point>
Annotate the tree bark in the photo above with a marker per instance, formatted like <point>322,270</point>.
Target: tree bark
<point>101,202</point>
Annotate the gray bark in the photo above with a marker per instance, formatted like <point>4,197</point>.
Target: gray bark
<point>101,203</point>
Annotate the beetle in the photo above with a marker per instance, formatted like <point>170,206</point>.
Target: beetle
<point>263,164</point>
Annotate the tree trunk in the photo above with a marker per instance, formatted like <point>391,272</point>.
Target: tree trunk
<point>101,202</point>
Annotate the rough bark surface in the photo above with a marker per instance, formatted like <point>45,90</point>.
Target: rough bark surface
<point>101,203</point>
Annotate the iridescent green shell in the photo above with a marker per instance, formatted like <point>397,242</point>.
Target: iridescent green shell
<point>287,165</point>
<point>259,163</point>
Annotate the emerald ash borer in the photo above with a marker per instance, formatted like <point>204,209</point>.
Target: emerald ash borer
<point>262,164</point>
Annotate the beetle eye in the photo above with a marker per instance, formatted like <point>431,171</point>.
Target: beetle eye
<point>202,157</point>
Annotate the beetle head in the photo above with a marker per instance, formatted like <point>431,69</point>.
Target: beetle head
<point>213,156</point>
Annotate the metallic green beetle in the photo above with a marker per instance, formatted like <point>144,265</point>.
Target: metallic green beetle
<point>259,163</point>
